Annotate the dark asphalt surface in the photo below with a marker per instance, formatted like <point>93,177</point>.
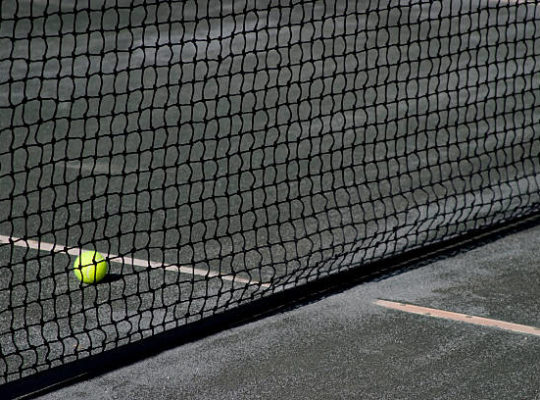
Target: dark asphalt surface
<point>345,347</point>
<point>278,142</point>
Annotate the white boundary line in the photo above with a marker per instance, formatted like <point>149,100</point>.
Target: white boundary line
<point>54,248</point>
<point>452,316</point>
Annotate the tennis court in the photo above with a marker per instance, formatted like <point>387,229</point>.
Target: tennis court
<point>346,346</point>
<point>219,153</point>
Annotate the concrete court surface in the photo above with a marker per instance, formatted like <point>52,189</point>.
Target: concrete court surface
<point>344,346</point>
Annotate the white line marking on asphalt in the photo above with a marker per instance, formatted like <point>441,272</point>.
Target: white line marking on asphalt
<point>452,316</point>
<point>73,251</point>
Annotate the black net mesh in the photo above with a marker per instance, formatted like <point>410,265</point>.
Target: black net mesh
<point>215,152</point>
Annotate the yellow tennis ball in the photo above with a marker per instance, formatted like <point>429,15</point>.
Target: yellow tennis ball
<point>90,267</point>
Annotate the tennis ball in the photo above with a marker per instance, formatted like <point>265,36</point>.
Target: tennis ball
<point>90,267</point>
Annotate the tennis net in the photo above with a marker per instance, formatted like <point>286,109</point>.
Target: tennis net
<point>219,152</point>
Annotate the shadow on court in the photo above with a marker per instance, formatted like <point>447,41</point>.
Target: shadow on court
<point>345,346</point>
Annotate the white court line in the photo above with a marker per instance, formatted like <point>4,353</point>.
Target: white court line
<point>54,248</point>
<point>452,316</point>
